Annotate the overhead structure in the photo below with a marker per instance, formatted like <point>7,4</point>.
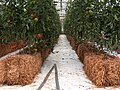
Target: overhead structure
<point>61,7</point>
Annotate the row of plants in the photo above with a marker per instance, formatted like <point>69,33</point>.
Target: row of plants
<point>29,21</point>
<point>95,22</point>
<point>33,24</point>
<point>91,26</point>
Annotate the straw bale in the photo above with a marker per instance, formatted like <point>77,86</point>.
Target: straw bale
<point>71,40</point>
<point>12,68</point>
<point>113,71</point>
<point>102,70</point>
<point>45,53</point>
<point>20,69</point>
<point>2,71</point>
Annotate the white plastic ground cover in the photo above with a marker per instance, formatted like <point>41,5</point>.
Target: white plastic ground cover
<point>15,52</point>
<point>70,71</point>
<point>114,53</point>
<point>12,53</point>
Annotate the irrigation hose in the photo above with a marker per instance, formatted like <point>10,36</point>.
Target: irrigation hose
<point>47,76</point>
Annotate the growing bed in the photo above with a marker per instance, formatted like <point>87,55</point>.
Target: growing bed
<point>70,71</point>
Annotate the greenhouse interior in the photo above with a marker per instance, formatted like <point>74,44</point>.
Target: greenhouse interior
<point>59,44</point>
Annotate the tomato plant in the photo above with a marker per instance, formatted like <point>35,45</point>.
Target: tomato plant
<point>94,21</point>
<point>27,20</point>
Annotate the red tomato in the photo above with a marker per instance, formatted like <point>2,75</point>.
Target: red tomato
<point>13,47</point>
<point>39,35</point>
<point>118,52</point>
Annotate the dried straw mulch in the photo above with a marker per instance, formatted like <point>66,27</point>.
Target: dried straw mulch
<point>2,71</point>
<point>84,48</point>
<point>101,69</point>
<point>71,40</point>
<point>45,53</point>
<point>20,69</point>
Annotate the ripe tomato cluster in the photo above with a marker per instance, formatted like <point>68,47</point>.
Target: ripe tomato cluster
<point>13,47</point>
<point>39,35</point>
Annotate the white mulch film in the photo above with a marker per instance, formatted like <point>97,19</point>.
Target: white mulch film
<point>70,71</point>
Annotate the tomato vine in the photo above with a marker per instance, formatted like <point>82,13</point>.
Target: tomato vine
<point>94,21</point>
<point>26,19</point>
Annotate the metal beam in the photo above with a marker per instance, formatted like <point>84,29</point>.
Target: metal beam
<point>60,9</point>
<point>59,2</point>
<point>61,5</point>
